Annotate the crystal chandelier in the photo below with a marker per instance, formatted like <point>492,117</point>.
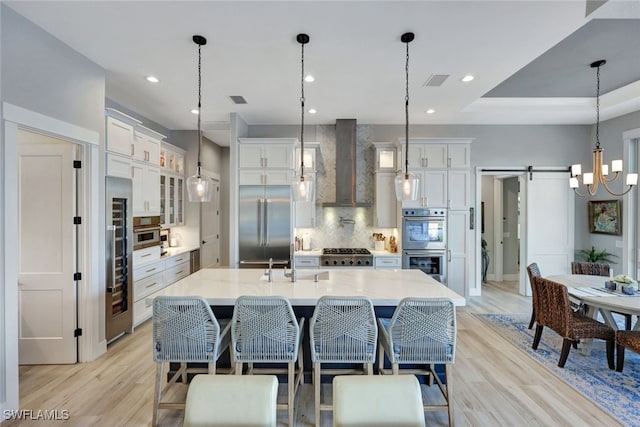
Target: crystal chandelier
<point>199,187</point>
<point>600,174</point>
<point>302,186</point>
<point>406,184</point>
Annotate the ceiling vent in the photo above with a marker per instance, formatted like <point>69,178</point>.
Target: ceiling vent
<point>237,99</point>
<point>436,80</point>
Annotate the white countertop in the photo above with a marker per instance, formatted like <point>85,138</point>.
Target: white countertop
<point>221,286</point>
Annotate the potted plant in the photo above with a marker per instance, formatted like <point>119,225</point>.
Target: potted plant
<point>593,255</point>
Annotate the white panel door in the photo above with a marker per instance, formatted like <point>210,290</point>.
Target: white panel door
<point>550,224</point>
<point>46,260</point>
<point>435,188</point>
<point>210,229</point>
<point>458,251</point>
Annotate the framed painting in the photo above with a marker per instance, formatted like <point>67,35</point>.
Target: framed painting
<point>604,217</point>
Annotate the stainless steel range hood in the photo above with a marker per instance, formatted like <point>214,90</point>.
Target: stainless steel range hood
<point>346,166</point>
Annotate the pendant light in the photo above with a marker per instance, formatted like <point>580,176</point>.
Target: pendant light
<point>407,184</point>
<point>199,187</point>
<point>600,171</point>
<point>302,186</point>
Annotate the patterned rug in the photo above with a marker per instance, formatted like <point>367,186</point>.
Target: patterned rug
<point>615,392</point>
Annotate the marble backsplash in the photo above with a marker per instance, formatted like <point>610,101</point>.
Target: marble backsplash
<point>344,227</point>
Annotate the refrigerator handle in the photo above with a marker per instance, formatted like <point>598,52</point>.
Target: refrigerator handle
<point>260,221</point>
<point>266,221</point>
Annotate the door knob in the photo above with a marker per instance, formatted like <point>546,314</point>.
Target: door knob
<point>204,241</point>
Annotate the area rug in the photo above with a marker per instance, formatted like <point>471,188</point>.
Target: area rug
<point>616,392</point>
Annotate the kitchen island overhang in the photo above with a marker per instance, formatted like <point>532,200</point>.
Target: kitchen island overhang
<point>385,288</point>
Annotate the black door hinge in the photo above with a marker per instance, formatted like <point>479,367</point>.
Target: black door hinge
<point>77,220</point>
<point>77,333</point>
<point>77,164</point>
<point>77,276</point>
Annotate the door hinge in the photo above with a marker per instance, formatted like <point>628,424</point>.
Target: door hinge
<point>77,333</point>
<point>77,220</point>
<point>77,276</point>
<point>77,164</point>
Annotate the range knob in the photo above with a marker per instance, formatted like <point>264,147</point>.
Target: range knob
<point>343,262</point>
<point>335,262</point>
<point>351,262</point>
<point>368,262</point>
<point>326,262</point>
<point>359,262</point>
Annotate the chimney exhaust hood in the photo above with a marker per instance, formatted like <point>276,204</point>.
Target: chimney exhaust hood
<point>345,166</point>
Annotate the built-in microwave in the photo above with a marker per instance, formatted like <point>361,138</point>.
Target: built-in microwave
<point>146,232</point>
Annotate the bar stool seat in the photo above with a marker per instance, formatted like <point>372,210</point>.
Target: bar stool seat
<point>380,400</point>
<point>224,400</point>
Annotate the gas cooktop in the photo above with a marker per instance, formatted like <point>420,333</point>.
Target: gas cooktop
<point>346,257</point>
<point>345,251</point>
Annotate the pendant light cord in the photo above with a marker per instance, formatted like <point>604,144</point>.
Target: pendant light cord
<point>406,114</point>
<point>302,113</point>
<point>598,107</point>
<point>199,105</point>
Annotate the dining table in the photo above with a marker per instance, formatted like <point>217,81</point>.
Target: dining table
<point>590,292</point>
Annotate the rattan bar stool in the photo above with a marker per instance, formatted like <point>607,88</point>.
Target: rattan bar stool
<point>265,330</point>
<point>342,330</point>
<point>184,330</point>
<point>422,331</point>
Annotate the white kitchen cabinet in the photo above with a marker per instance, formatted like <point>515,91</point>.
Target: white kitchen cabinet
<point>387,262</point>
<point>265,177</point>
<point>171,200</point>
<point>146,189</point>
<point>119,166</point>
<point>172,158</point>
<point>427,155</point>
<point>265,153</point>
<point>146,148</point>
<point>458,189</point>
<point>459,155</point>
<point>386,207</point>
<point>458,251</point>
<point>432,191</point>
<point>307,261</point>
<point>119,136</point>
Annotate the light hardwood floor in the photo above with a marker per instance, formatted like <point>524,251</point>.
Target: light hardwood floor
<point>494,383</point>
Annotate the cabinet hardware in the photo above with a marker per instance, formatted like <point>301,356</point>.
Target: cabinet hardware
<point>145,255</point>
<point>133,149</point>
<point>448,162</point>
<point>151,285</point>
<point>151,269</point>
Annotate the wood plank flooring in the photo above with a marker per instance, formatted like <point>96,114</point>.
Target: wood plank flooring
<point>494,383</point>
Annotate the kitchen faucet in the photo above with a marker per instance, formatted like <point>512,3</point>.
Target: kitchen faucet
<point>270,272</point>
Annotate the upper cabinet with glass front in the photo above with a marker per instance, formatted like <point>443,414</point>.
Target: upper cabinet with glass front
<point>172,190</point>
<point>385,153</point>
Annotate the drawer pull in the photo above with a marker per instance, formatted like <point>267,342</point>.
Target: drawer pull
<point>143,256</point>
<point>151,269</point>
<point>153,284</point>
<point>148,303</point>
<point>179,272</point>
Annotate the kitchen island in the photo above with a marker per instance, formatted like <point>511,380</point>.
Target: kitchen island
<point>222,286</point>
<point>385,288</point>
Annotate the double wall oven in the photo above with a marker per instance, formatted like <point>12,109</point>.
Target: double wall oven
<point>424,245</point>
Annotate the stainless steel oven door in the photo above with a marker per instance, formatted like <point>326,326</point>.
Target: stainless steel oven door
<point>424,233</point>
<point>433,263</point>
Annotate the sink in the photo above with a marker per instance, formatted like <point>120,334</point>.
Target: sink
<point>278,275</point>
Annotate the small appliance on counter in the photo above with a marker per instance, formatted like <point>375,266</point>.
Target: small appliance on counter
<point>164,240</point>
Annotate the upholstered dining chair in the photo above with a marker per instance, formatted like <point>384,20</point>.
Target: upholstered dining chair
<point>533,271</point>
<point>553,310</point>
<point>264,330</point>
<point>590,268</point>
<point>342,330</point>
<point>597,269</point>
<point>184,330</point>
<point>626,339</point>
<point>422,332</point>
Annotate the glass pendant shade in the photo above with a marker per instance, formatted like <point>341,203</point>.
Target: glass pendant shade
<point>302,188</point>
<point>407,187</point>
<point>200,188</point>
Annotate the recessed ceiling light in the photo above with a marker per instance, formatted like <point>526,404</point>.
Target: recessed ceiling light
<point>312,111</point>
<point>309,78</point>
<point>195,111</point>
<point>430,111</point>
<point>467,78</point>
<point>152,79</point>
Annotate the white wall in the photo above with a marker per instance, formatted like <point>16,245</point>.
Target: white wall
<point>73,92</point>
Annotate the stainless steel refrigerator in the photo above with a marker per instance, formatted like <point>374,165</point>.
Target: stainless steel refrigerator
<point>265,225</point>
<point>119,280</point>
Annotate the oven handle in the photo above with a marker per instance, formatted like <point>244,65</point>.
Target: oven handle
<point>142,229</point>
<point>423,218</point>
